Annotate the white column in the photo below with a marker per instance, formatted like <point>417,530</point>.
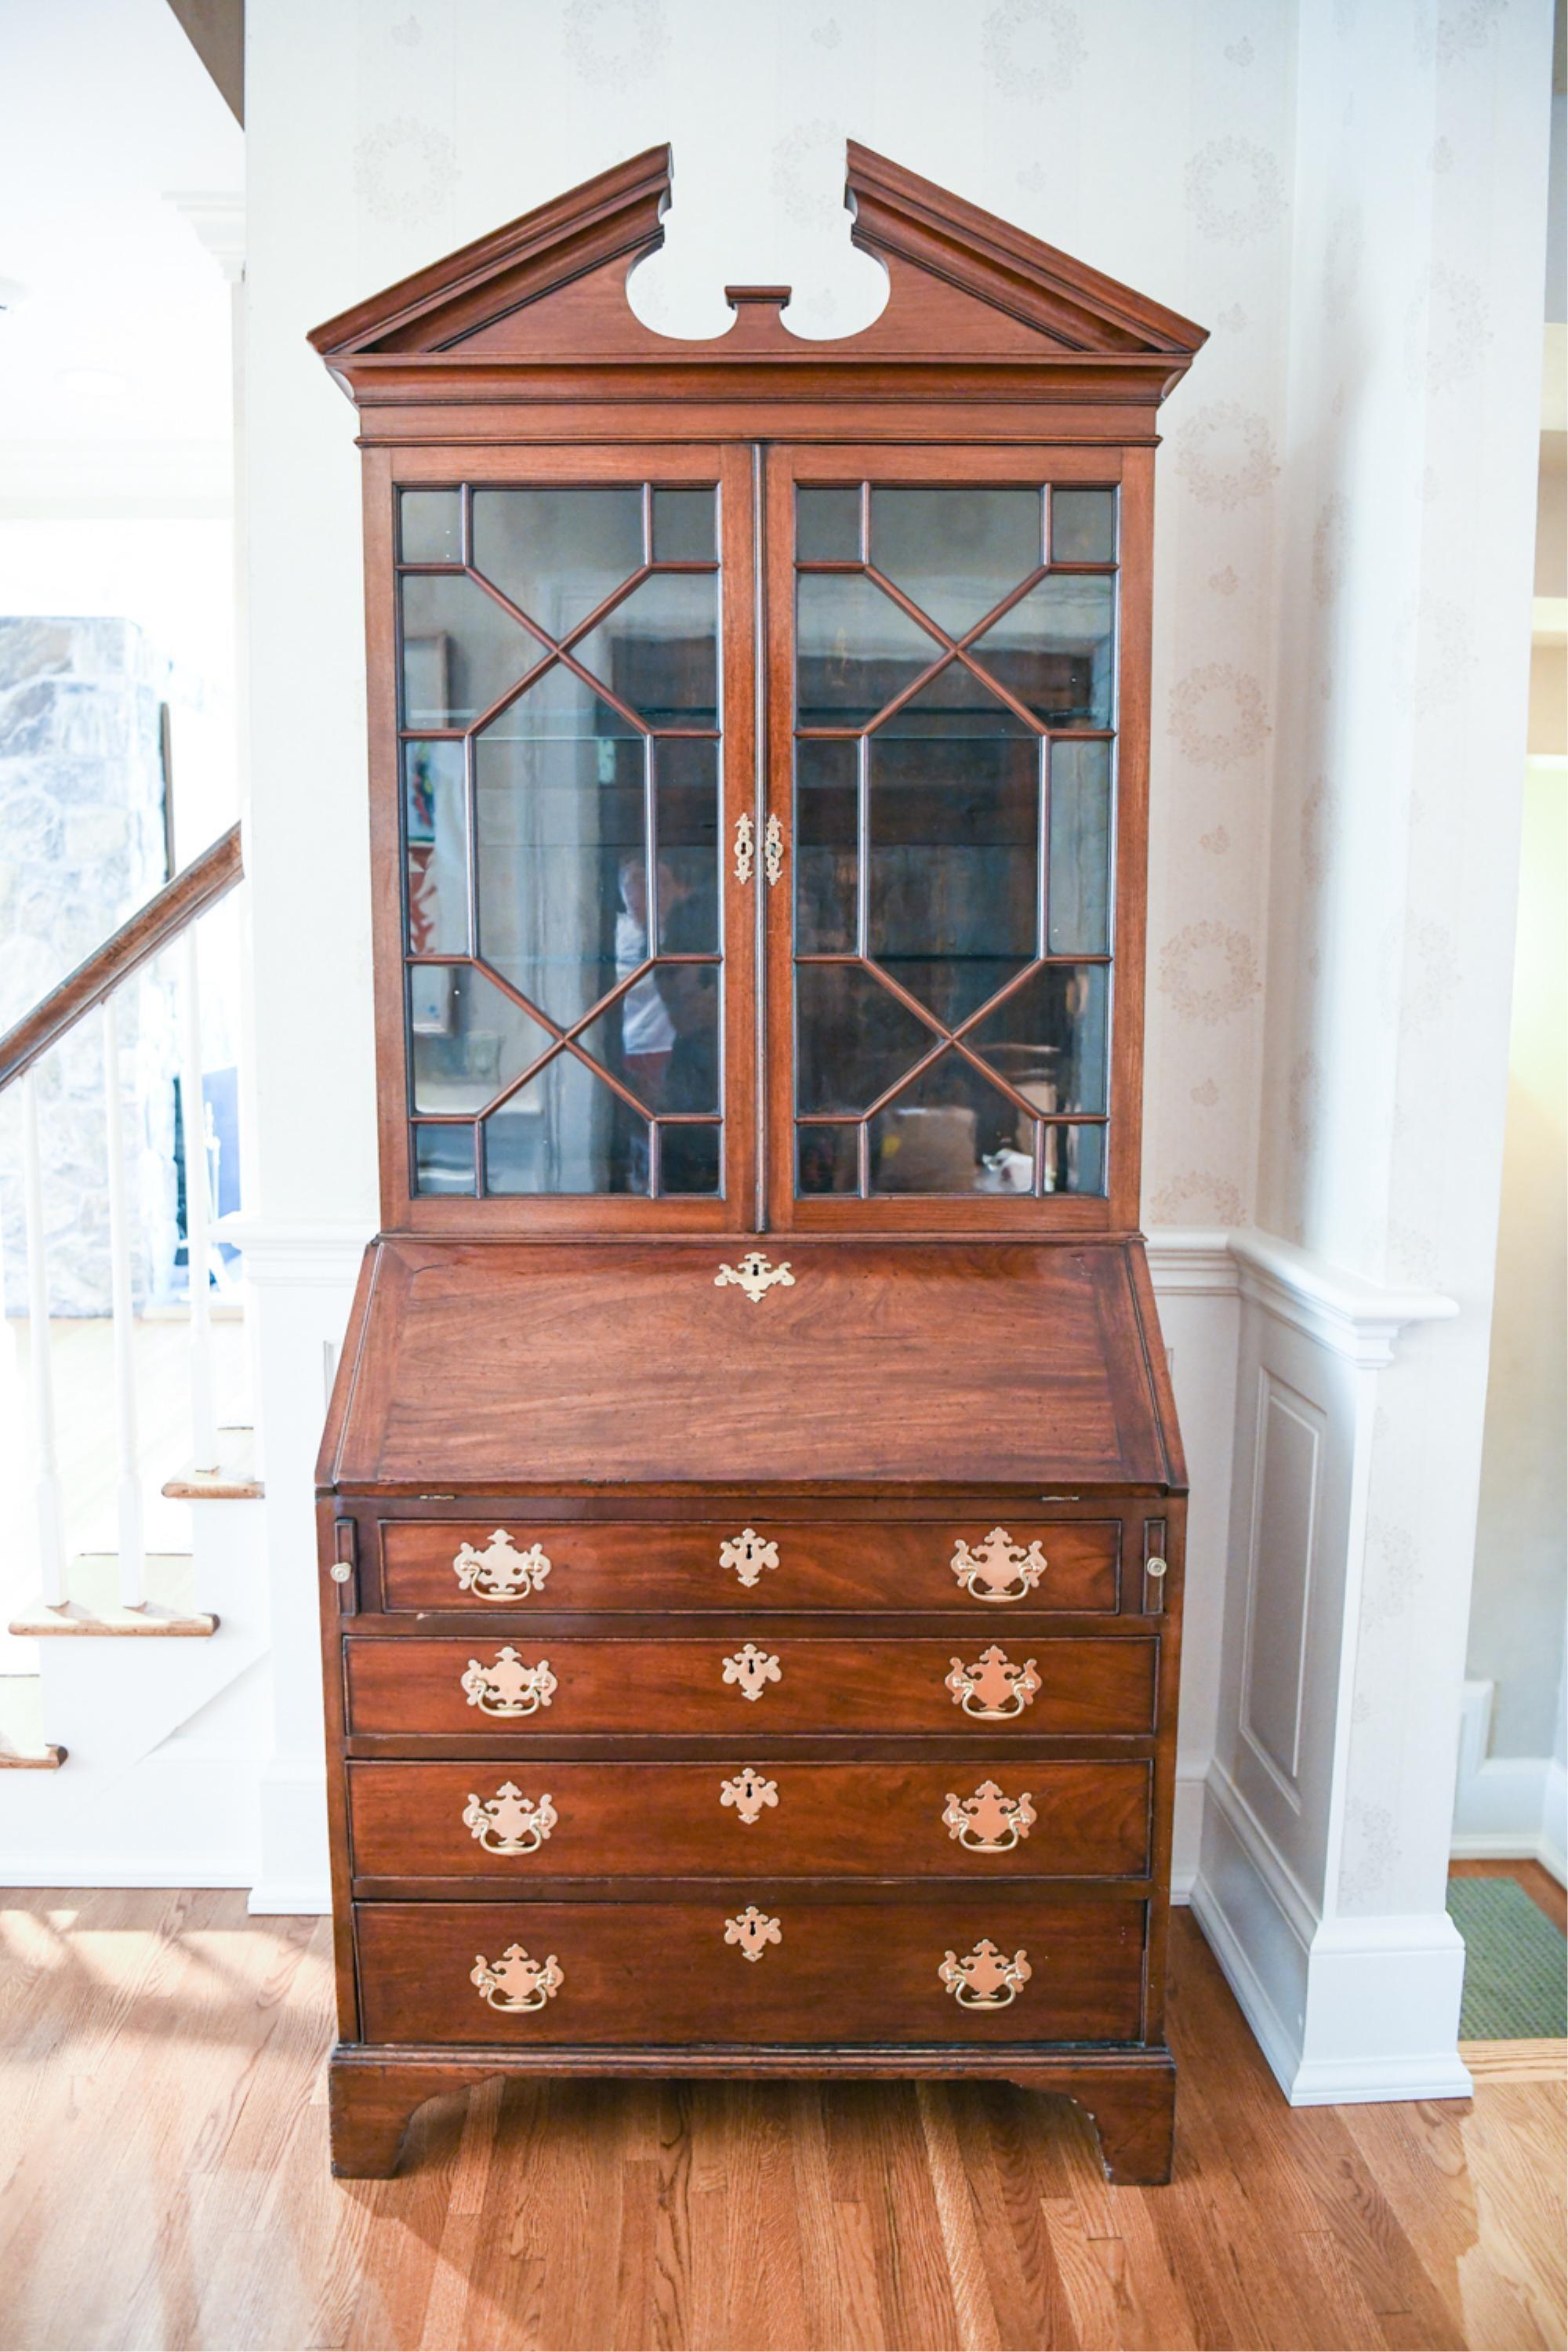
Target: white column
<point>132,1549</point>
<point>193,1116</point>
<point>51,1532</point>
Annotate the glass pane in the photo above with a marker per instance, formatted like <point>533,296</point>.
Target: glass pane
<point>1075,1160</point>
<point>1054,650</point>
<point>853,1039</point>
<point>558,553</point>
<point>828,526</point>
<point>687,1159</point>
<point>430,527</point>
<point>856,649</point>
<point>460,650</point>
<point>1080,882</point>
<point>565,1132</point>
<point>562,853</point>
<point>469,1040</point>
<point>1083,526</point>
<point>952,1131</point>
<point>658,651</point>
<point>955,859</point>
<point>956,702</point>
<point>683,527</point>
<point>1048,1038</point>
<point>661,1038</point>
<point>686,784</point>
<point>444,1160</point>
<point>825,1159</point>
<point>435,831</point>
<point>956,553</point>
<point>826,800</point>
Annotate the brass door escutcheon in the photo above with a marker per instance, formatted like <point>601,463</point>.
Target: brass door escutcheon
<point>509,1822</point>
<point>998,1568</point>
<point>756,1275</point>
<point>749,1792</point>
<point>748,1554</point>
<point>986,1978</point>
<point>751,1668</point>
<point>509,1687</point>
<point>988,1822</point>
<point>745,848</point>
<point>992,1689</point>
<point>514,1983</point>
<point>502,1572</point>
<point>753,1931</point>
<point>773,850</point>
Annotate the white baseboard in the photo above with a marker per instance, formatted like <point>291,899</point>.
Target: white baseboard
<point>150,1870</point>
<point>273,1898</point>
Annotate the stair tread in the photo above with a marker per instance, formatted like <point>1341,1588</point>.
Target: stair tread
<point>23,1748</point>
<point>94,1607</point>
<point>233,1478</point>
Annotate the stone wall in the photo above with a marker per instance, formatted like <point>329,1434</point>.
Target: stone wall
<point>81,847</point>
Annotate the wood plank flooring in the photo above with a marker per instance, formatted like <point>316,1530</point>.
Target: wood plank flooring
<point>164,2183</point>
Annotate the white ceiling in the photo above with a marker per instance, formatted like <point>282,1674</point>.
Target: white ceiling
<point>115,355</point>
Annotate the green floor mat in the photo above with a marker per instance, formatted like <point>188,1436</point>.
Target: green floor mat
<point>1515,1964</point>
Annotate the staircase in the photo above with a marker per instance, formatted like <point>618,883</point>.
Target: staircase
<point>137,1743</point>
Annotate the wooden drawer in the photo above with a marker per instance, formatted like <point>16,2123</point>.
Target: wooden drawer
<point>976,1816</point>
<point>702,1972</point>
<point>722,1687</point>
<point>861,1564</point>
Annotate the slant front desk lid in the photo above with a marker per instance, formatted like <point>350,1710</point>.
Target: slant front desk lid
<point>495,1365</point>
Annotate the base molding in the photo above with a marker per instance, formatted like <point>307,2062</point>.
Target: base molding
<point>1130,2095</point>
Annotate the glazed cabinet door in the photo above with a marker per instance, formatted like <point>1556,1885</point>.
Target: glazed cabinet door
<point>562,650</point>
<point>957,704</point>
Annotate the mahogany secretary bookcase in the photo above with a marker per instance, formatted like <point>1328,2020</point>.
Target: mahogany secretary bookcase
<point>752,1507</point>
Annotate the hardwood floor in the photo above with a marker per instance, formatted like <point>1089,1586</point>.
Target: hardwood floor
<point>164,2183</point>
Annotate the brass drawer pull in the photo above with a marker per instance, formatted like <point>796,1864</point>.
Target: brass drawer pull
<point>998,1568</point>
<point>987,1822</point>
<point>514,1983</point>
<point>992,1689</point>
<point>747,1793</point>
<point>1155,1568</point>
<point>753,1931</point>
<point>509,1822</point>
<point>751,1668</point>
<point>502,1572</point>
<point>509,1687</point>
<point>755,1275</point>
<point>748,1554</point>
<point>986,1978</point>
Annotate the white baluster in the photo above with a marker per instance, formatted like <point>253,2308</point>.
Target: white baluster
<point>51,1531</point>
<point>203,1423</point>
<point>133,1548</point>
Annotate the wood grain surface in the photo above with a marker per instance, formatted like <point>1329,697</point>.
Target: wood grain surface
<point>167,2186</point>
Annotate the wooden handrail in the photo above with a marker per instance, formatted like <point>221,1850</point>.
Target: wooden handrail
<point>196,886</point>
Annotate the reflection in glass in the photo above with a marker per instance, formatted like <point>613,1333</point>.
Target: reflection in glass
<point>444,1160</point>
<point>661,1038</point>
<point>1053,649</point>
<point>1048,1038</point>
<point>825,818</point>
<point>560,812</point>
<point>558,553</point>
<point>683,527</point>
<point>826,1160</point>
<point>461,649</point>
<point>687,1159</point>
<point>436,835</point>
<point>430,527</point>
<point>856,649</point>
<point>1079,884</point>
<point>565,1132</point>
<point>853,1038</point>
<point>952,1132</point>
<point>469,1039</point>
<point>1083,526</point>
<point>955,702</point>
<point>828,526</point>
<point>1075,1160</point>
<point>686,788</point>
<point>659,649</point>
<point>956,553</point>
<point>954,864</point>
